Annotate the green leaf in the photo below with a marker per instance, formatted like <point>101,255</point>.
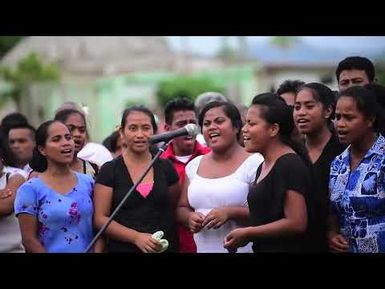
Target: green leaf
<point>189,87</point>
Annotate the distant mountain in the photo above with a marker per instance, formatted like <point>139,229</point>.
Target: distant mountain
<point>350,44</point>
<point>304,53</point>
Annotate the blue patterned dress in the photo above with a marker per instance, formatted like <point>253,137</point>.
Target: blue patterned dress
<point>64,220</point>
<point>358,198</point>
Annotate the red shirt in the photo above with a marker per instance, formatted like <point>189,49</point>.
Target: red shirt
<point>186,240</point>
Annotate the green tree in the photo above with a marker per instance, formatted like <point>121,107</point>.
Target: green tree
<point>189,87</point>
<point>8,42</point>
<point>283,42</point>
<point>29,70</point>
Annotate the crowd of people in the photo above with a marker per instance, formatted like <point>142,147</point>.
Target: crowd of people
<point>300,170</point>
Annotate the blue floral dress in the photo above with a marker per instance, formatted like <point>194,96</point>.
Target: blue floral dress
<point>64,220</point>
<point>358,198</point>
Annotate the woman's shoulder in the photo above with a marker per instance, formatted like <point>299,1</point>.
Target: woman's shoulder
<point>84,177</point>
<point>291,161</point>
<point>251,162</point>
<point>34,184</point>
<point>289,157</point>
<point>195,162</point>
<point>35,181</point>
<point>85,183</point>
<point>198,159</point>
<point>118,161</point>
<point>192,166</point>
<point>254,158</point>
<point>164,164</point>
<point>344,154</point>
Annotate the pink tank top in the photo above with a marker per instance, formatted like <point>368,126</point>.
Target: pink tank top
<point>144,189</point>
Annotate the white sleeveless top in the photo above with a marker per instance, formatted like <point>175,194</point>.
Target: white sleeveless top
<point>10,236</point>
<point>206,194</point>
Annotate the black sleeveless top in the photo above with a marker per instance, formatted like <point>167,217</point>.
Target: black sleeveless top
<point>146,215</point>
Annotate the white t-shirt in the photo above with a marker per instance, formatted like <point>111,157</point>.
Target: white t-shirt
<point>14,171</point>
<point>10,236</point>
<point>95,153</point>
<point>206,194</point>
<point>27,169</point>
<point>183,159</point>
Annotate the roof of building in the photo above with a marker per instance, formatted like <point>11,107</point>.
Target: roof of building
<point>104,55</point>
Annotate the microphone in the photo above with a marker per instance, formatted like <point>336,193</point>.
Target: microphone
<point>190,129</point>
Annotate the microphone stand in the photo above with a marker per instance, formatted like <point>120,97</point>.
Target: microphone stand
<point>162,148</point>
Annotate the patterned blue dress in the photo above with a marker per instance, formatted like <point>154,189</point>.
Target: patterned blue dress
<point>64,220</point>
<point>358,198</point>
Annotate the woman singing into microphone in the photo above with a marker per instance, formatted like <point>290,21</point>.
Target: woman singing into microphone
<point>151,207</point>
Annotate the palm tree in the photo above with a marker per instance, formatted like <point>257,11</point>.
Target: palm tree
<point>30,69</point>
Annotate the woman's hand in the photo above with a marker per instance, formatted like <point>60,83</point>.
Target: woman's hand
<point>195,220</point>
<point>338,244</point>
<point>6,193</point>
<point>215,218</point>
<point>146,243</point>
<point>235,239</point>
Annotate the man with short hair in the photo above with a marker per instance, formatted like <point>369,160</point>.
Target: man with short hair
<point>288,90</point>
<point>355,70</point>
<point>11,120</point>
<point>178,113</point>
<point>21,141</point>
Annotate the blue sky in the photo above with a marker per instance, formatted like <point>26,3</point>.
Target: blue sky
<point>209,45</point>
